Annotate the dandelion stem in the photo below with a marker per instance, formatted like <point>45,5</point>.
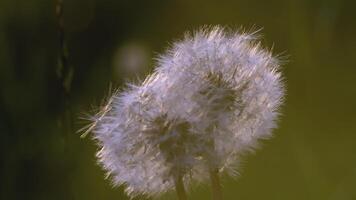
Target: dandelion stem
<point>215,184</point>
<point>180,189</point>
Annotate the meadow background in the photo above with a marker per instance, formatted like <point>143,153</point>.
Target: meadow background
<point>312,155</point>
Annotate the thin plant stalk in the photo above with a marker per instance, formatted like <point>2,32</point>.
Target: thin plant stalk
<point>215,185</point>
<point>182,195</point>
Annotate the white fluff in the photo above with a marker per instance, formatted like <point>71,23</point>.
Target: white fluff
<point>212,97</point>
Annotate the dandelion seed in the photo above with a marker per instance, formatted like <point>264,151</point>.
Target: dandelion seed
<point>211,98</point>
<point>141,146</point>
<point>228,88</point>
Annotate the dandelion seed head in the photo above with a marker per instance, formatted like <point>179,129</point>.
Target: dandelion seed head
<point>142,147</point>
<point>228,87</point>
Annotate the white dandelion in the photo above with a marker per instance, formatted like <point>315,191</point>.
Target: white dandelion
<point>228,88</point>
<point>212,96</point>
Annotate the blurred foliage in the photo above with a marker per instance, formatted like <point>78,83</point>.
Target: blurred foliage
<point>112,41</point>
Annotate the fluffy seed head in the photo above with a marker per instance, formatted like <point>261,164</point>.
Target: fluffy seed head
<point>212,96</point>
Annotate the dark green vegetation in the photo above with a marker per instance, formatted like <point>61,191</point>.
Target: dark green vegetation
<point>312,155</point>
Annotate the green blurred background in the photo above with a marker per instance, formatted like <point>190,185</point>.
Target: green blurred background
<point>312,155</point>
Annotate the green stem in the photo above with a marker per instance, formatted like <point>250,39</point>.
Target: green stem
<point>215,184</point>
<point>180,189</point>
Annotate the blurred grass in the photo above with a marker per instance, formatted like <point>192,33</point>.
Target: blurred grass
<point>310,157</point>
